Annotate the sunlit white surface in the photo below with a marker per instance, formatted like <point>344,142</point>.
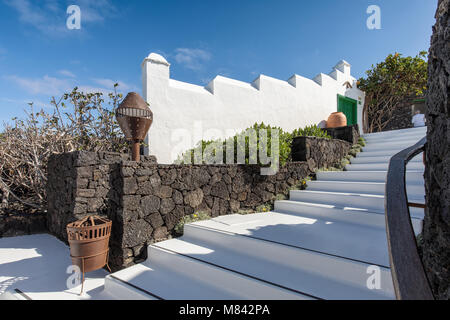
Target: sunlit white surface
<point>37,264</point>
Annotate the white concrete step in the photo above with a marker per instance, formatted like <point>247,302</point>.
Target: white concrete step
<point>119,285</point>
<point>398,133</point>
<point>378,153</point>
<point>381,159</point>
<point>398,136</point>
<point>418,130</point>
<point>168,275</point>
<point>324,276</point>
<point>383,145</point>
<point>406,139</point>
<point>401,130</point>
<point>382,166</point>
<point>344,240</point>
<point>377,188</point>
<point>399,142</point>
<point>412,176</point>
<point>370,202</point>
<point>393,138</point>
<point>386,147</point>
<point>332,212</point>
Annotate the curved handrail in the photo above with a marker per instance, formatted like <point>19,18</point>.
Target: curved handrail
<point>408,274</point>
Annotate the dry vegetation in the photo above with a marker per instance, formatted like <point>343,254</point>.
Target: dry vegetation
<point>77,121</point>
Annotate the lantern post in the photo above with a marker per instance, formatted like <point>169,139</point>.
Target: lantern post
<point>134,118</point>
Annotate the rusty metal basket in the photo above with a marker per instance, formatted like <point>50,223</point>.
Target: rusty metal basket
<point>89,243</point>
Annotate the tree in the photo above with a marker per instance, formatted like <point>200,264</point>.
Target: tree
<point>77,121</point>
<point>388,85</point>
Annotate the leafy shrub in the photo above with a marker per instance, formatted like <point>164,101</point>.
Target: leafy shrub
<point>241,145</point>
<point>344,162</point>
<point>301,185</point>
<point>264,208</point>
<point>245,211</point>
<point>355,149</point>
<point>361,141</point>
<point>310,131</point>
<point>280,196</point>
<point>197,216</point>
<point>330,169</point>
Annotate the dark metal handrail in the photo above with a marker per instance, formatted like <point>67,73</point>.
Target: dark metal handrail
<point>408,274</point>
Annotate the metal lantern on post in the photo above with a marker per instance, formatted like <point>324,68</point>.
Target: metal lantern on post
<point>134,118</point>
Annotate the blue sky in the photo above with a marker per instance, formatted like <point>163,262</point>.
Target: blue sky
<point>40,57</point>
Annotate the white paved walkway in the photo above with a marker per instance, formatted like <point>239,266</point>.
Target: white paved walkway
<point>34,267</point>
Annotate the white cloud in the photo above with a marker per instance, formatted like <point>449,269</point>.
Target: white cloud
<point>52,5</point>
<point>46,85</point>
<point>39,15</point>
<point>192,58</point>
<point>96,11</point>
<point>107,89</point>
<point>24,103</point>
<point>224,72</point>
<point>49,16</point>
<point>206,80</point>
<point>93,89</point>
<point>56,86</point>
<point>108,83</point>
<point>66,73</point>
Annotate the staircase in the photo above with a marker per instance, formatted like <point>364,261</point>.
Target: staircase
<point>323,243</point>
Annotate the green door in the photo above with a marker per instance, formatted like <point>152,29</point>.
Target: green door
<point>348,107</point>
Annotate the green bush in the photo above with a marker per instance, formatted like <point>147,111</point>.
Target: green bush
<point>264,208</point>
<point>280,196</point>
<point>310,131</point>
<point>330,169</point>
<point>241,142</point>
<point>361,142</point>
<point>245,211</point>
<point>301,185</point>
<point>344,162</point>
<point>197,216</point>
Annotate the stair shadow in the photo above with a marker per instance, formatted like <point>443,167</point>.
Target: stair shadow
<point>329,237</point>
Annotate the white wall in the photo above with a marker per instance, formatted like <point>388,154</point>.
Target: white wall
<point>183,113</point>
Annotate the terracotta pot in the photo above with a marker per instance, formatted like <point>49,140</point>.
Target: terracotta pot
<point>336,119</point>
